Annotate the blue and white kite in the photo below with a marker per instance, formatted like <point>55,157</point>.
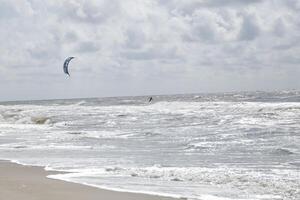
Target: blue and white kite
<point>66,65</point>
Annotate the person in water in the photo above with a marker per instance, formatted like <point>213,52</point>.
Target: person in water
<point>150,99</point>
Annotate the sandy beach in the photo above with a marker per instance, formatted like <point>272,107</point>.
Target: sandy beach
<point>30,183</point>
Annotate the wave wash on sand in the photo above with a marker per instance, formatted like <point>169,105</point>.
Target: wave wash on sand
<point>24,182</point>
<point>204,146</point>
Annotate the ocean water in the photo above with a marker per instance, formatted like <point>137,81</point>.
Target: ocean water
<point>198,146</point>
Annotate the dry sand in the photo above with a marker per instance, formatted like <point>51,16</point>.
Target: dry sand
<point>19,182</point>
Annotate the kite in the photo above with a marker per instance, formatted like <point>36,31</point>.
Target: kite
<point>66,65</point>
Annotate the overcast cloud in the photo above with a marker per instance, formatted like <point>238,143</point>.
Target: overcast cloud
<point>141,47</point>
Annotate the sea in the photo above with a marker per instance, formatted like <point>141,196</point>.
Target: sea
<point>221,146</point>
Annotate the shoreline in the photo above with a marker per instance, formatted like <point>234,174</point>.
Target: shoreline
<point>31,183</point>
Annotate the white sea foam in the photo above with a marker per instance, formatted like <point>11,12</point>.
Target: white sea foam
<point>236,179</point>
<point>203,147</point>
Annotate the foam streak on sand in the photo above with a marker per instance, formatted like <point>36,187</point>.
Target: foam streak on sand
<point>30,183</point>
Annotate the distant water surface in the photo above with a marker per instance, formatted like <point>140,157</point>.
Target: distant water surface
<point>200,146</point>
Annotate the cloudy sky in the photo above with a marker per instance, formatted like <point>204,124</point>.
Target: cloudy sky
<point>141,47</point>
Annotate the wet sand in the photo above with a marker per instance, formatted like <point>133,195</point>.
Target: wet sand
<point>18,182</point>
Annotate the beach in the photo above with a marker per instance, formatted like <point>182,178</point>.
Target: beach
<point>30,183</point>
<point>195,146</point>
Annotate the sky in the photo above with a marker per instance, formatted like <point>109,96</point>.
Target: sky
<point>144,47</point>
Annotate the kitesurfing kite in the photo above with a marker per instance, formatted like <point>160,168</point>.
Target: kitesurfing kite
<point>66,65</point>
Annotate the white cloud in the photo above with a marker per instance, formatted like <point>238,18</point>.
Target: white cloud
<point>131,46</point>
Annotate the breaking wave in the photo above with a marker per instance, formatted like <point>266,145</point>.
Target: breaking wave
<point>256,182</point>
<point>198,141</point>
<point>283,151</point>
